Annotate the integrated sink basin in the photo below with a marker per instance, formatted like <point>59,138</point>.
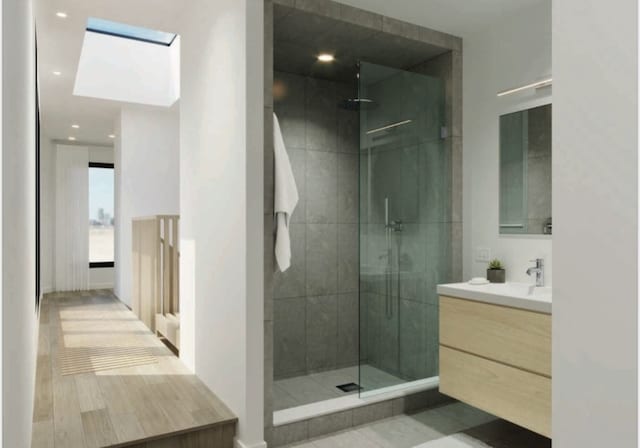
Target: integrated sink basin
<point>517,295</point>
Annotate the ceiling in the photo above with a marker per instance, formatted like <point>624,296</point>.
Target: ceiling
<point>461,18</point>
<point>59,46</point>
<point>60,43</point>
<point>300,36</point>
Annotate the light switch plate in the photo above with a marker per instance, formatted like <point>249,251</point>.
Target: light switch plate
<point>483,254</point>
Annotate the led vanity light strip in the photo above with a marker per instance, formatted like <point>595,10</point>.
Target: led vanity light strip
<point>534,85</point>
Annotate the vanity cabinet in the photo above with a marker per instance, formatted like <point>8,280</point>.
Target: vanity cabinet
<point>498,359</point>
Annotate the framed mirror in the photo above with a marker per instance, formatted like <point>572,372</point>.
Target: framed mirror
<point>525,172</point>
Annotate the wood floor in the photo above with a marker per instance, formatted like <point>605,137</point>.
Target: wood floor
<point>104,380</point>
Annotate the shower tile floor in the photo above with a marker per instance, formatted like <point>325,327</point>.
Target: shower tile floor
<point>454,425</point>
<point>301,390</point>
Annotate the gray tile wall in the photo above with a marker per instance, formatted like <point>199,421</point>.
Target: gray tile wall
<point>315,321</point>
<point>345,126</point>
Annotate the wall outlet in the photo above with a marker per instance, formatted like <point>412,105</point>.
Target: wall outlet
<point>483,254</point>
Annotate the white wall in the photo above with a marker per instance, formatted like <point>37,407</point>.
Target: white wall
<point>19,322</point>
<point>516,50</point>
<point>98,278</point>
<point>128,70</point>
<point>595,195</point>
<point>221,199</point>
<point>147,160</point>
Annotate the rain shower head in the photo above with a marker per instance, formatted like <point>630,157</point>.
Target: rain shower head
<point>356,104</point>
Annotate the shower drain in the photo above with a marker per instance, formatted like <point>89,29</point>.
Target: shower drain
<point>349,387</point>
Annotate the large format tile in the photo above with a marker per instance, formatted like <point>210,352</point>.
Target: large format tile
<point>321,96</point>
<point>305,390</point>
<point>455,441</point>
<point>348,259</point>
<point>348,128</point>
<point>292,282</point>
<point>291,433</point>
<point>360,17</point>
<point>289,93</point>
<point>321,131</point>
<point>439,421</point>
<point>372,310</point>
<point>372,412</point>
<point>298,160</point>
<point>347,439</point>
<point>332,378</point>
<point>376,378</point>
<point>322,187</point>
<point>322,332</point>
<point>322,259</point>
<point>293,127</point>
<point>399,432</point>
<point>283,399</point>
<point>348,325</point>
<point>348,188</point>
<point>413,339</point>
<point>321,117</point>
<point>465,413</point>
<point>289,336</point>
<point>435,181</point>
<point>330,423</point>
<point>389,329</point>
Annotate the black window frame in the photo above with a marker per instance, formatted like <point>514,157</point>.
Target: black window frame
<point>101,264</point>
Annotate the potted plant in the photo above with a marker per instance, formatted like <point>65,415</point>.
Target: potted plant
<point>495,273</point>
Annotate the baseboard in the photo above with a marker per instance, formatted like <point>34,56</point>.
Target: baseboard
<point>240,444</point>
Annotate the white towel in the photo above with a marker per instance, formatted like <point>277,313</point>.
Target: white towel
<point>286,197</point>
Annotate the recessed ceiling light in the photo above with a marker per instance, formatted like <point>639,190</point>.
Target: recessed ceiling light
<point>72,138</point>
<point>57,73</point>
<point>62,15</point>
<point>325,57</point>
<point>112,135</point>
<point>75,126</point>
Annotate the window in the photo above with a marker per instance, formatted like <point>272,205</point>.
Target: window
<point>129,31</point>
<point>101,221</point>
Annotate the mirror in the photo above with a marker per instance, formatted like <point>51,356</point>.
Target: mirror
<point>525,171</point>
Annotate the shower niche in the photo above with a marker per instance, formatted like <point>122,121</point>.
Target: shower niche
<point>375,146</point>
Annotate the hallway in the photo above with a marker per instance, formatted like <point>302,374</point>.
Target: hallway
<point>103,379</point>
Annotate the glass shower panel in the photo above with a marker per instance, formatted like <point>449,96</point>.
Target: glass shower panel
<point>405,223</point>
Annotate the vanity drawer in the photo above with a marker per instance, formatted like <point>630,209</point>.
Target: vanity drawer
<point>521,397</point>
<point>519,338</point>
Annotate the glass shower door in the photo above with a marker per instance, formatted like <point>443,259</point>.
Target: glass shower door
<point>405,222</point>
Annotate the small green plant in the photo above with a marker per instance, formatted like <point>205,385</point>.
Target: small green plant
<point>495,264</point>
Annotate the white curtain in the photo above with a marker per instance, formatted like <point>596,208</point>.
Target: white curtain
<point>72,218</point>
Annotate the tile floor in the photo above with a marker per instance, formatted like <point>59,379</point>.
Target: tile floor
<point>454,425</point>
<point>300,390</point>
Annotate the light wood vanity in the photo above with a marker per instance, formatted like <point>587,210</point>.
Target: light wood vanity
<point>497,358</point>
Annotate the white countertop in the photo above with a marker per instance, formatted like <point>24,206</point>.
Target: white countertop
<point>516,295</point>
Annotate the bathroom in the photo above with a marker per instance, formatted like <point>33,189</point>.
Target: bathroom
<point>370,110</point>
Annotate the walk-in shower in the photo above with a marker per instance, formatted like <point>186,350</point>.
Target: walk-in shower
<point>372,141</point>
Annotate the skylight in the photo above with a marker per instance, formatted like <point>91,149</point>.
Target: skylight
<point>117,29</point>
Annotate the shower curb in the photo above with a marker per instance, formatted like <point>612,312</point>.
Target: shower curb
<point>289,433</point>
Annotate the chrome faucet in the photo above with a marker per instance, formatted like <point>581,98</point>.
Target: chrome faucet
<point>538,270</point>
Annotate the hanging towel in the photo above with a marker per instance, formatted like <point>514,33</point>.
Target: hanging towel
<point>286,197</point>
